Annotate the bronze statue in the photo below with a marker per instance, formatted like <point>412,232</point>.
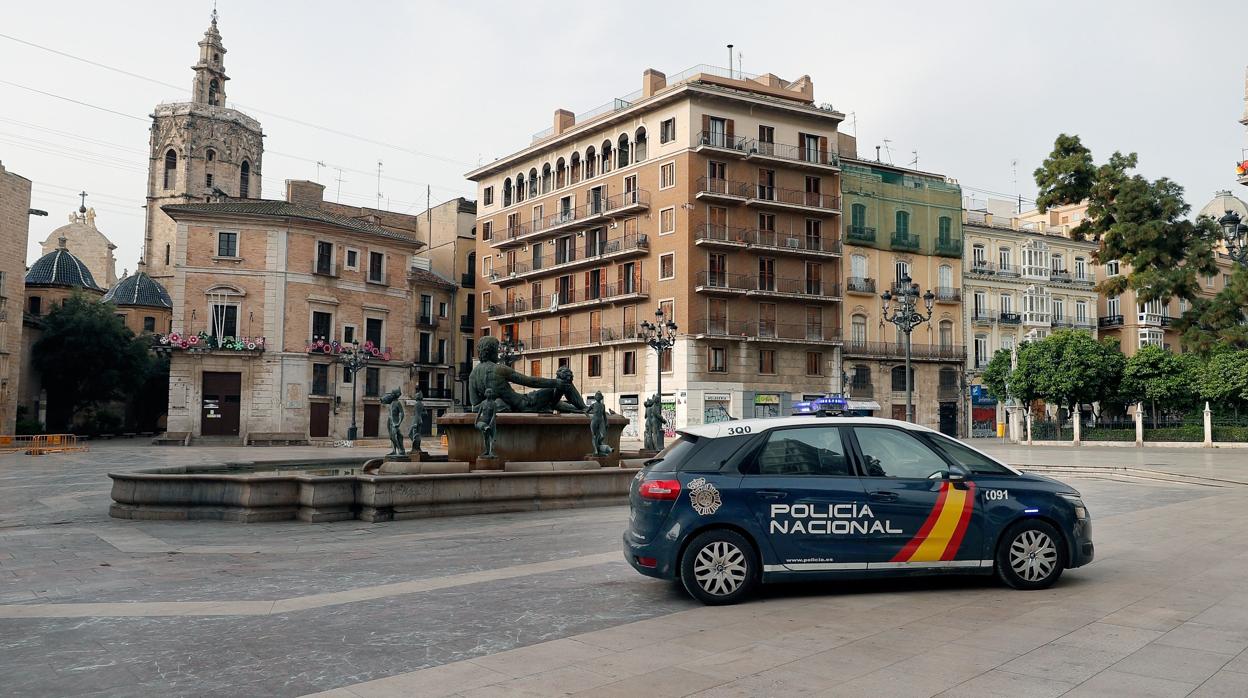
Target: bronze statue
<point>487,413</point>
<point>552,394</point>
<point>654,424</point>
<point>598,425</point>
<point>418,420</point>
<point>395,423</point>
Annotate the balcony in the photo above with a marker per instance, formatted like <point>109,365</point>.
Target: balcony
<point>711,235</point>
<point>860,284</point>
<point>721,143</point>
<point>1063,321</point>
<point>766,331</point>
<point>582,338</point>
<point>1008,270</point>
<point>1087,279</point>
<point>895,350</point>
<point>983,316</point>
<point>861,390</point>
<point>1166,321</point>
<point>715,189</point>
<point>1060,276</point>
<point>860,233</point>
<point>1084,323</point>
<point>1110,321</point>
<point>631,245</point>
<point>766,196</point>
<point>468,280</point>
<point>466,323</point>
<point>584,216</point>
<point>801,245</point>
<point>1035,319</point>
<point>435,393</point>
<point>949,247</point>
<point>1011,319</point>
<point>430,358</point>
<point>946,294</point>
<point>428,321</point>
<point>723,283</point>
<point>570,299</point>
<point>981,267</point>
<point>797,156</point>
<point>905,241</point>
<point>1031,272</point>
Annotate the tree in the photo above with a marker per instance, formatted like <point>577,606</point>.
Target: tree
<point>996,376</point>
<point>1223,379</point>
<point>1155,375</point>
<point>1067,175</point>
<point>87,357</point>
<point>1218,322</point>
<point>1079,370</point>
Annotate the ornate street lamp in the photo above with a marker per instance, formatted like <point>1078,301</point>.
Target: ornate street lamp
<point>1235,235</point>
<point>353,359</point>
<point>907,317</point>
<point>509,351</point>
<point>660,335</point>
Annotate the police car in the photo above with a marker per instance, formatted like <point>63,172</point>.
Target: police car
<point>730,505</point>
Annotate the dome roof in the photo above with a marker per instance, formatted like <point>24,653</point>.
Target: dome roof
<point>60,268</point>
<point>138,289</point>
<point>1224,201</point>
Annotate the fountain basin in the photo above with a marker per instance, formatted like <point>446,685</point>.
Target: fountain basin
<point>527,437</point>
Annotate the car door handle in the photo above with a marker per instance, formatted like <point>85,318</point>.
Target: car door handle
<point>772,494</point>
<point>883,496</point>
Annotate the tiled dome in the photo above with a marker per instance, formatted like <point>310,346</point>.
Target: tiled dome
<point>60,268</point>
<point>138,289</point>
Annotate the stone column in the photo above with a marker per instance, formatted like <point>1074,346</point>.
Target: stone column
<point>1139,424</point>
<point>1078,426</point>
<point>1027,416</point>
<point>1208,426</point>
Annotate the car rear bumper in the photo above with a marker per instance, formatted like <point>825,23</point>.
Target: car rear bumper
<point>665,565</point>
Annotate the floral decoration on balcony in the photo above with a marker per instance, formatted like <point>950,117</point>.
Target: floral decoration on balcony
<point>326,346</point>
<point>203,341</point>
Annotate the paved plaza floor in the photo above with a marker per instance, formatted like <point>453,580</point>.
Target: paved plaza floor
<point>542,603</point>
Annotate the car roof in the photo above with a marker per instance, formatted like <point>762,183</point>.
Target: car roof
<point>717,429</point>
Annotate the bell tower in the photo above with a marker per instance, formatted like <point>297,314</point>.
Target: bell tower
<point>200,150</point>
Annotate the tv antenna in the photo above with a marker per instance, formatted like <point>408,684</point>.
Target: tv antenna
<point>338,196</point>
<point>319,165</point>
<point>888,150</point>
<point>379,184</point>
<point>915,162</point>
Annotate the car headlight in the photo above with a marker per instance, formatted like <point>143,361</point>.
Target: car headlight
<point>1081,511</point>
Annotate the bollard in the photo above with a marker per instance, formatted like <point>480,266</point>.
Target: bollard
<point>1208,426</point>
<point>1139,424</point>
<point>1078,427</point>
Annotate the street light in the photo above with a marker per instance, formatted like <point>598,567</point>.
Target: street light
<point>906,317</point>
<point>660,335</point>
<point>509,351</point>
<point>353,359</point>
<point>1235,235</point>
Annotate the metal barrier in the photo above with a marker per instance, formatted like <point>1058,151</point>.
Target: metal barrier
<point>40,444</point>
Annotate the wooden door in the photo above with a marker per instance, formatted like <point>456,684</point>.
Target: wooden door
<point>219,414</point>
<point>899,412</point>
<point>318,419</point>
<point>372,420</point>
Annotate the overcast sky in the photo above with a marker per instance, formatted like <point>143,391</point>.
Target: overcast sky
<point>441,87</point>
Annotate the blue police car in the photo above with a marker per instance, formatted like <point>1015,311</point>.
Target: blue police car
<point>730,505</point>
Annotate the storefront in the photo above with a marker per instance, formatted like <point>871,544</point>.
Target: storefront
<point>629,409</point>
<point>716,407</point>
<point>983,413</point>
<point>669,415</point>
<point>766,405</point>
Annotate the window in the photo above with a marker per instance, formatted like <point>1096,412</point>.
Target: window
<point>348,334</point>
<point>944,233</point>
<point>1007,342</point>
<point>210,155</point>
<point>1059,310</point>
<point>224,320</point>
<point>1113,306</point>
<point>1081,268</point>
<point>980,305</point>
<point>667,176</point>
<point>208,180</point>
<point>979,256</point>
<point>814,363</point>
<point>322,325</point>
<point>858,266</point>
<point>903,223</point>
<point>717,360</point>
<point>901,269</point>
<point>630,363</point>
<point>767,135</point>
<point>487,196</point>
<point>669,312</point>
<point>372,381</point>
<point>487,230</point>
<point>971,460</point>
<point>325,258</point>
<point>535,368</point>
<point>667,221</point>
<point>767,361</point>
<point>981,351</point>
<point>898,376</point>
<point>857,217</point>
<point>149,324</point>
<point>244,180</point>
<point>426,308</point>
<point>1151,337</point>
<point>814,278</point>
<point>595,366</point>
<point>667,130</point>
<point>347,376</point>
<point>372,331</point>
<point>1057,263</point>
<point>36,305</point>
<point>717,134</point>
<point>171,169</point>
<point>946,334</point>
<point>667,266</point>
<point>1003,258</point>
<point>858,329</point>
<point>810,143</point>
<point>168,252</point>
<point>320,379</point>
<point>1113,268</point>
<point>377,267</point>
<point>766,274</point>
<point>1007,303</point>
<point>1081,312</point>
<point>944,277</point>
<point>213,88</point>
<point>817,451</point>
<point>896,453</point>
<point>227,244</point>
<point>442,309</point>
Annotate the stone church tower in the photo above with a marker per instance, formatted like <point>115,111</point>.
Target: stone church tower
<point>200,150</point>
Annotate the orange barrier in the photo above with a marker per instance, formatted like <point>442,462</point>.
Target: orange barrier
<point>40,444</point>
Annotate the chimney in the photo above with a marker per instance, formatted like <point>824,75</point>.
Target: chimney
<point>564,120</point>
<point>302,191</point>
<point>652,81</point>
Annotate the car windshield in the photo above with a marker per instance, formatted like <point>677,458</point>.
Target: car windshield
<point>670,458</point>
<point>971,460</point>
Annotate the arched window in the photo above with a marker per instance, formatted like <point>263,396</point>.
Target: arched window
<point>546,178</point>
<point>532,182</point>
<point>244,180</point>
<point>903,223</point>
<point>1057,263</point>
<point>899,379</point>
<point>858,329</point>
<point>561,174</point>
<point>946,333</point>
<point>574,168</point>
<point>520,188</point>
<point>591,162</point>
<point>858,266</point>
<point>622,152</point>
<point>171,169</point>
<point>639,147</point>
<point>212,92</point>
<point>944,277</point>
<point>210,155</point>
<point>605,163</point>
<point>507,191</point>
<point>902,269</point>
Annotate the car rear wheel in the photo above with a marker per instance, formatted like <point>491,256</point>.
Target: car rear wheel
<point>719,567</point>
<point>1031,555</point>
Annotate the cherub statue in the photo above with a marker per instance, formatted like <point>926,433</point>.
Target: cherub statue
<point>395,424</point>
<point>598,425</point>
<point>418,420</point>
<point>487,413</point>
<point>654,424</point>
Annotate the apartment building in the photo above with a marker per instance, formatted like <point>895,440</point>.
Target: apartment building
<point>903,223</point>
<point>714,196</point>
<point>1019,283</point>
<point>14,231</point>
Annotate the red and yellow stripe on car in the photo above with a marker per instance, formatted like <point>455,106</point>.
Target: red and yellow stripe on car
<point>942,532</point>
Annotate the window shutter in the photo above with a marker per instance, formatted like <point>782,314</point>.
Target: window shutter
<point>801,146</point>
<point>588,284</point>
<point>620,273</point>
<point>706,126</point>
<point>823,149</point>
<point>728,130</point>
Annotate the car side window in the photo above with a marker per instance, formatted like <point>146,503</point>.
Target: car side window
<point>807,451</point>
<point>970,459</point>
<point>895,453</point>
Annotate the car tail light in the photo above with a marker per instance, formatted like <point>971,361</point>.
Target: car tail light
<point>648,562</point>
<point>660,489</point>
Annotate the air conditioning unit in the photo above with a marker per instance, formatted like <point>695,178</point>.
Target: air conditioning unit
<point>793,243</point>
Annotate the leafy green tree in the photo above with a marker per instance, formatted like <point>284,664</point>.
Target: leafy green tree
<point>996,376</point>
<point>1079,370</point>
<point>1156,375</point>
<point>1218,322</point>
<point>1223,379</point>
<point>1067,174</point>
<point>87,357</point>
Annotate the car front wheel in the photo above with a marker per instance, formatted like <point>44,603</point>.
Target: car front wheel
<point>1031,555</point>
<point>719,567</point>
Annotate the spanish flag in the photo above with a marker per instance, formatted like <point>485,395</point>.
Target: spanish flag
<point>1241,169</point>
<point>942,532</point>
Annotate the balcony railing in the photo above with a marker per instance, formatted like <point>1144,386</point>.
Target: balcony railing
<point>723,281</point>
<point>550,303</point>
<point>1010,270</point>
<point>1110,321</point>
<point>938,352</point>
<point>468,280</point>
<point>711,281</point>
<point>797,243</point>
<point>589,252</point>
<point>1011,319</point>
<point>1060,276</point>
<point>465,323</point>
<point>980,266</point>
<point>907,241</point>
<point>430,357</point>
<point>797,154</point>
<point>947,294</point>
<point>1035,318</point>
<point>427,321</point>
<point>464,368</point>
<point>763,194</point>
<point>767,330</point>
<point>860,284</point>
<point>860,233</point>
<point>1166,321</point>
<point>983,316</point>
<point>949,247</point>
<point>1088,278</point>
<point>722,141</point>
<point>435,393</point>
<point>561,340</point>
<point>710,232</point>
<point>715,187</point>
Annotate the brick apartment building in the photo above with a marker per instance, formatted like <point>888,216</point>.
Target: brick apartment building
<point>14,231</point>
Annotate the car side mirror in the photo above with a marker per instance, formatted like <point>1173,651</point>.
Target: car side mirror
<point>955,476</point>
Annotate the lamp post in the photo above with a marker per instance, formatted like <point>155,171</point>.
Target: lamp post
<point>660,335</point>
<point>353,359</point>
<point>907,317</point>
<point>509,351</point>
<point>1235,235</point>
